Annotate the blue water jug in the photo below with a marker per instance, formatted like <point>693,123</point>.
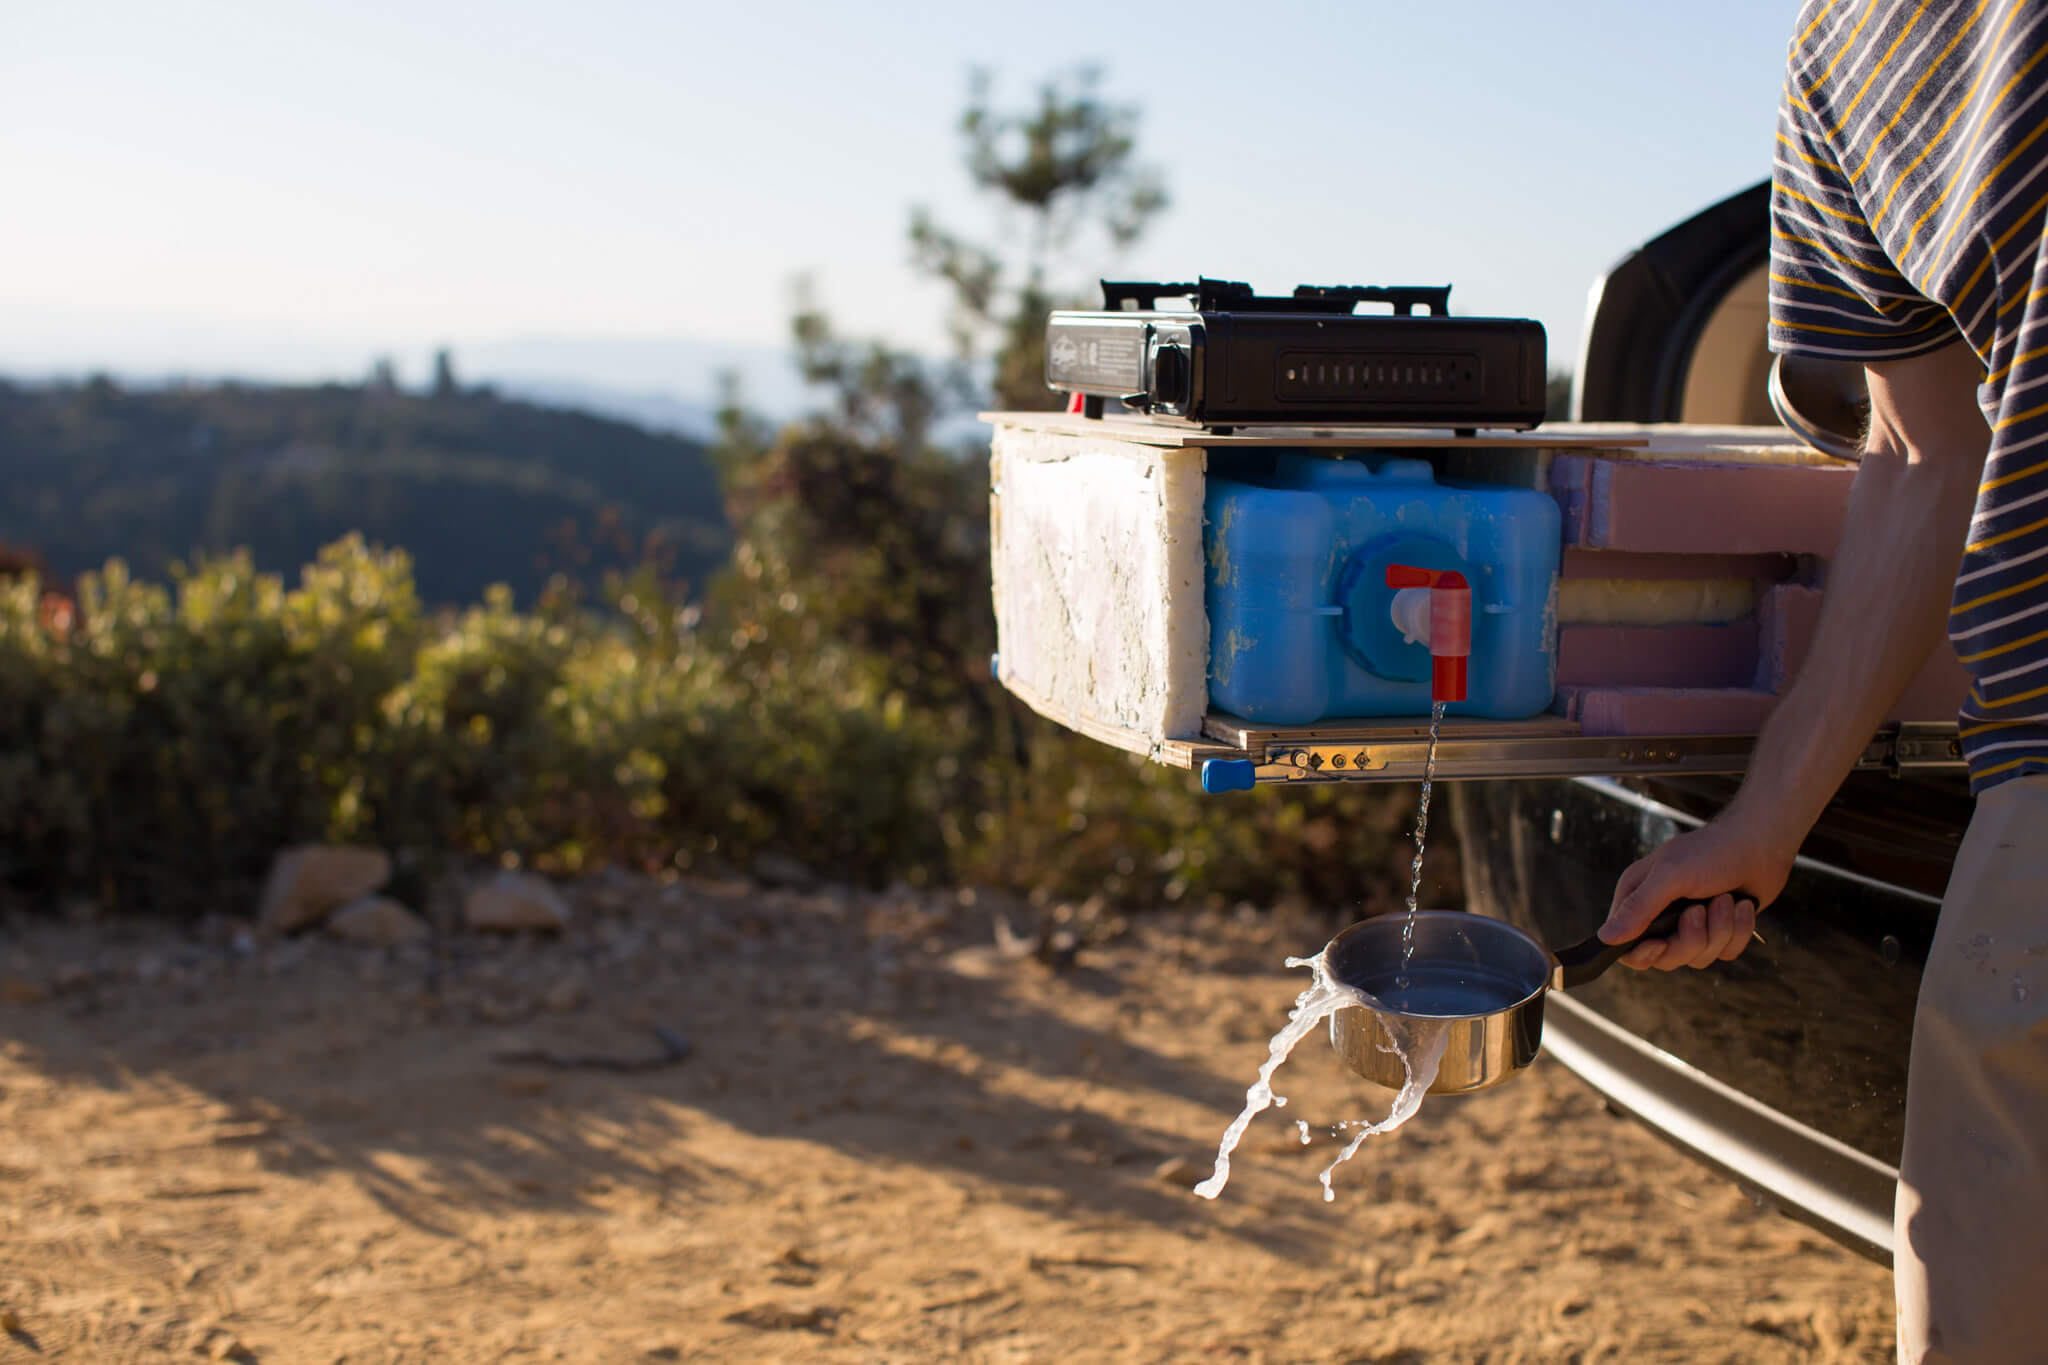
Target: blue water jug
<point>1303,626</point>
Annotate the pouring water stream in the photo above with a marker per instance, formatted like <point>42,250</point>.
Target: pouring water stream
<point>1419,1042</point>
<point>1436,720</point>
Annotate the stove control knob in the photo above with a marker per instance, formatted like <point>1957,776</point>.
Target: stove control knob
<point>1170,376</point>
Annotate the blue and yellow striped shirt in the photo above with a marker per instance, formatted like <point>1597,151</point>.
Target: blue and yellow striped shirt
<point>1907,206</point>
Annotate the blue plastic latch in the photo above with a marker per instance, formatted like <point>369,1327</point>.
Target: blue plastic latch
<point>1221,775</point>
<point>995,668</point>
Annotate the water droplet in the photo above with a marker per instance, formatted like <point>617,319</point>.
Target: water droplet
<point>1279,1101</point>
<point>1303,1125</point>
<point>2019,991</point>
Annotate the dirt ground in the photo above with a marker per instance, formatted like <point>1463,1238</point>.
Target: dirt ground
<point>889,1141</point>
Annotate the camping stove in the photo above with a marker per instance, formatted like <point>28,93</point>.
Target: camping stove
<point>1229,356</point>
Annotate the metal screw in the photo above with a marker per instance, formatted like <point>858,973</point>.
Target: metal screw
<point>1337,761</point>
<point>1626,755</point>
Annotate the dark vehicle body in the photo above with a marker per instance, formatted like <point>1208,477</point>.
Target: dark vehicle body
<point>1785,1068</point>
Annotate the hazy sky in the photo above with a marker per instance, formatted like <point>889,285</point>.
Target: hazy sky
<point>289,188</point>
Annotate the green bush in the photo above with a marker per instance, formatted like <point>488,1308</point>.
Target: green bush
<point>176,735</point>
<point>160,752</point>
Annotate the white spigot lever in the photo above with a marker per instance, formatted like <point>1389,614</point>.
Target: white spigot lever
<point>1446,627</point>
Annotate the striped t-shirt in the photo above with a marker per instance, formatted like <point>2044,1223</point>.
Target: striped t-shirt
<point>1907,205</point>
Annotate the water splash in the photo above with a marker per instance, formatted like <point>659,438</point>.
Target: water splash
<point>1436,720</point>
<point>1418,1042</point>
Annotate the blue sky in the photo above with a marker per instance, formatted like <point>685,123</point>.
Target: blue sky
<point>286,190</point>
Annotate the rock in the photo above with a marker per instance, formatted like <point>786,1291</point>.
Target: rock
<point>18,992</point>
<point>285,957</point>
<point>979,961</point>
<point>567,995</point>
<point>775,1317</point>
<point>514,901</point>
<point>10,1321</point>
<point>224,1345</point>
<point>72,976</point>
<point>1178,1170</point>
<point>377,921</point>
<point>309,881</point>
<point>778,869</point>
<point>502,1009</point>
<point>1059,948</point>
<point>216,930</point>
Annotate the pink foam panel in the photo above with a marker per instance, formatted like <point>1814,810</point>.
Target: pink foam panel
<point>1657,656</point>
<point>1786,618</point>
<point>1699,509</point>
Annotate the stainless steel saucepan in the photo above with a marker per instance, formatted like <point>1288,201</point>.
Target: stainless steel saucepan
<point>1483,980</point>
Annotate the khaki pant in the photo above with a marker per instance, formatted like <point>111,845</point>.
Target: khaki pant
<point>1970,1237</point>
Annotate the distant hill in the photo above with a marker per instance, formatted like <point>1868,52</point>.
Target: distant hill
<point>477,487</point>
<point>651,408</point>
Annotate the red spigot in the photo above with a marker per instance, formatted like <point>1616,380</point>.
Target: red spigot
<point>1450,625</point>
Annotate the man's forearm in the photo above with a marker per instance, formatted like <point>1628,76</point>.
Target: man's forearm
<point>1884,611</point>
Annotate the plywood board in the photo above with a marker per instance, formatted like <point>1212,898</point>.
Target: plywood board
<point>1143,431</point>
<point>1256,737</point>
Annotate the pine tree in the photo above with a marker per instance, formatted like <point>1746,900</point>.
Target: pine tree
<point>445,384</point>
<point>1068,164</point>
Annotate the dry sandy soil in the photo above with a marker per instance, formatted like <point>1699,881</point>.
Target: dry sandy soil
<point>888,1142</point>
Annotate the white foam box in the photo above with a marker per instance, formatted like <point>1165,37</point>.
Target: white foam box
<point>1096,558</point>
<point>1097,555</point>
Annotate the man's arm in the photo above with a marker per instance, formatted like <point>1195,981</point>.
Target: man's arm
<point>1884,611</point>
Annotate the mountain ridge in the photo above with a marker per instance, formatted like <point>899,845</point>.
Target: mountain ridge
<point>477,486</point>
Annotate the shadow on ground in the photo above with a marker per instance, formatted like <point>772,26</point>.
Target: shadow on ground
<point>486,1074</point>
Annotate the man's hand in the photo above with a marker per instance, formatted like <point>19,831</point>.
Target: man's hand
<point>1885,611</point>
<point>1732,870</point>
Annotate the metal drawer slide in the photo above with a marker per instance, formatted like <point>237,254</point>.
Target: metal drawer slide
<point>1238,755</point>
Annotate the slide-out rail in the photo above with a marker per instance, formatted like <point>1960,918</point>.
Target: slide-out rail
<point>1238,756</point>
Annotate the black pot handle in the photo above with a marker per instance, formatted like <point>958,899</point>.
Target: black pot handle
<point>1586,959</point>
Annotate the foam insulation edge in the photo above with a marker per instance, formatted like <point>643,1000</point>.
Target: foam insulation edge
<point>1098,579</point>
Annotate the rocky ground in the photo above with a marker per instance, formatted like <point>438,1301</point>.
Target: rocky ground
<point>711,1121</point>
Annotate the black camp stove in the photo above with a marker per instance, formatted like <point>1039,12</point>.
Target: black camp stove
<point>1230,357</point>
